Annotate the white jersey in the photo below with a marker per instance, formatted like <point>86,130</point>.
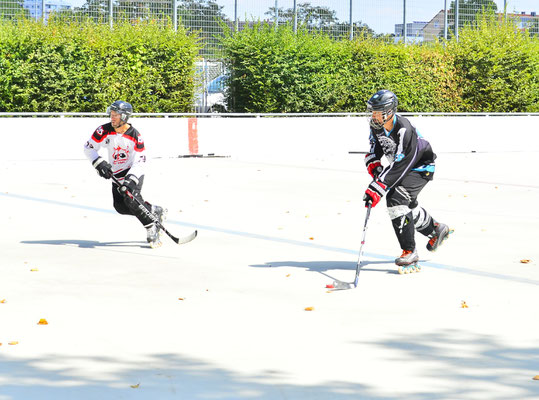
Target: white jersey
<point>125,150</point>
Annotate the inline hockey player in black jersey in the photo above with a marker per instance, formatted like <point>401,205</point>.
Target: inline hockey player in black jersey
<point>410,166</point>
<point>125,162</point>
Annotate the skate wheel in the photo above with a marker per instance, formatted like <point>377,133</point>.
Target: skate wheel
<point>155,245</point>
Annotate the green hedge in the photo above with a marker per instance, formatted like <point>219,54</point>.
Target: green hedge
<point>83,67</point>
<point>499,67</point>
<point>490,69</point>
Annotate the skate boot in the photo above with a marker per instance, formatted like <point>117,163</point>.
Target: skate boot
<point>407,262</point>
<point>153,236</point>
<point>441,233</point>
<point>160,213</point>
<point>153,233</point>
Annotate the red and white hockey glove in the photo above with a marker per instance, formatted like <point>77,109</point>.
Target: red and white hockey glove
<point>374,167</point>
<point>374,193</point>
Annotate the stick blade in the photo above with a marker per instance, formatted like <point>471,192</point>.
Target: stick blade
<point>185,239</point>
<point>339,285</point>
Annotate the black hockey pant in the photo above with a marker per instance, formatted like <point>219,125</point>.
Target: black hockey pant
<point>127,206</point>
<point>403,209</point>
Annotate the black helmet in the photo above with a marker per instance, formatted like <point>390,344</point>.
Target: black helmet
<point>121,107</point>
<point>384,101</point>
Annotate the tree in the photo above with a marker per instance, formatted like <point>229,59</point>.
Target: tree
<point>313,17</point>
<point>320,19</point>
<point>469,12</point>
<point>205,17</point>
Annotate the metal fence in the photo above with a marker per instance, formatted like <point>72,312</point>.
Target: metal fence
<point>414,21</point>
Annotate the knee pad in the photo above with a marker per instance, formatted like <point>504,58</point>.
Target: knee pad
<point>397,211</point>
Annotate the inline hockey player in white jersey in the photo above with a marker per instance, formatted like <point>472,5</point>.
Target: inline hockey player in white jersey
<point>125,161</point>
<point>410,167</point>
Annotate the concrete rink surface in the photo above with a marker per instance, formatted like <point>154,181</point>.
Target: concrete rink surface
<point>224,317</point>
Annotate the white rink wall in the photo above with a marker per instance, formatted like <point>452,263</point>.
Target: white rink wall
<point>265,139</point>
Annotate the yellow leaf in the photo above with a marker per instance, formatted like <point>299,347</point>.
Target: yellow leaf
<point>536,378</point>
<point>13,343</point>
<point>463,305</point>
<point>309,308</point>
<point>288,275</point>
<point>311,238</point>
<point>135,386</point>
<point>181,298</point>
<point>3,301</point>
<point>525,261</point>
<point>34,270</point>
<point>43,321</point>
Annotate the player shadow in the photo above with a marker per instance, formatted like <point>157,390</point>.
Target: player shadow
<point>324,266</point>
<point>88,244</point>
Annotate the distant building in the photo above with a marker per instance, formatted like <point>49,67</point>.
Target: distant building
<point>414,31</point>
<point>434,28</point>
<point>34,7</point>
<point>527,21</point>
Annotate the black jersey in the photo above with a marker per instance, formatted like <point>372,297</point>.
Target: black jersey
<point>404,148</point>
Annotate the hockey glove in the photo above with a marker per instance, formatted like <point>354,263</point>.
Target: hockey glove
<point>104,169</point>
<point>374,167</point>
<point>129,186</point>
<point>374,193</point>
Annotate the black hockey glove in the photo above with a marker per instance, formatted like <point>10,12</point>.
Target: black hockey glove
<point>104,169</point>
<point>129,185</point>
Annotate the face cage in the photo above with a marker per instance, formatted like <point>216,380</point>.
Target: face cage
<point>386,116</point>
<point>123,115</point>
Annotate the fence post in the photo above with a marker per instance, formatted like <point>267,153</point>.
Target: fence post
<point>351,23</point>
<point>445,19</point>
<point>405,33</point>
<point>236,15</point>
<point>110,13</point>
<point>457,20</point>
<point>175,14</point>
<point>276,14</point>
<point>295,16</point>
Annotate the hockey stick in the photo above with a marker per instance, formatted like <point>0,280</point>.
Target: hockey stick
<point>153,217</point>
<point>346,285</point>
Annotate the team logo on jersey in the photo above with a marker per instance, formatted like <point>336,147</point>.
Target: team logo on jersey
<point>399,157</point>
<point>388,146</point>
<point>120,155</point>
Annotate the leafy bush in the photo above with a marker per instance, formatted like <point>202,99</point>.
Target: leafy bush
<point>499,66</point>
<point>492,68</point>
<point>280,71</point>
<point>83,67</point>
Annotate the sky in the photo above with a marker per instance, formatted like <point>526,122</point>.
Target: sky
<point>380,15</point>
